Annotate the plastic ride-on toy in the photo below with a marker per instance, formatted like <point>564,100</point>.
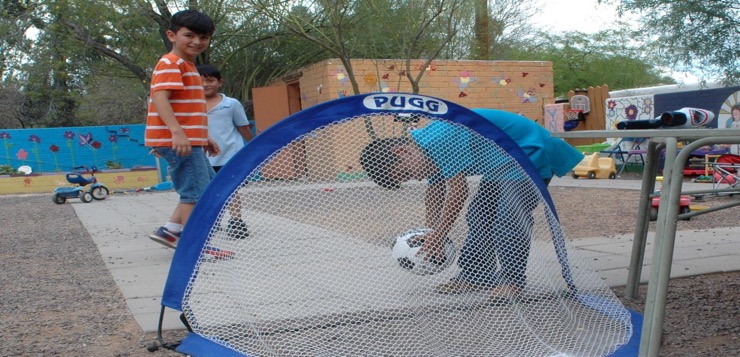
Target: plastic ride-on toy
<point>684,204</point>
<point>593,166</point>
<point>96,190</point>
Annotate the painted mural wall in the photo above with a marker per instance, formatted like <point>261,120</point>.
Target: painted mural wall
<point>723,102</point>
<point>719,101</point>
<point>63,149</point>
<point>117,151</point>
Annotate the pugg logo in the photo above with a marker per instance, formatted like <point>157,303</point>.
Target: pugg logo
<point>405,102</point>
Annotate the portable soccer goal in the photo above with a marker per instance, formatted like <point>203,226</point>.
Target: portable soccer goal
<point>312,272</point>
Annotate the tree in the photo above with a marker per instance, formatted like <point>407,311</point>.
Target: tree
<point>437,24</point>
<point>99,43</point>
<point>347,29</point>
<point>498,26</point>
<point>581,60</point>
<point>99,107</point>
<point>84,44</point>
<point>131,35</point>
<point>85,48</point>
<point>696,33</point>
<point>10,96</point>
<point>53,69</point>
<point>481,48</point>
<point>14,19</point>
<point>55,65</point>
<point>251,50</point>
<point>326,24</point>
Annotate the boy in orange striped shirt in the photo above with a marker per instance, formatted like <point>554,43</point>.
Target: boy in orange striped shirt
<point>177,120</point>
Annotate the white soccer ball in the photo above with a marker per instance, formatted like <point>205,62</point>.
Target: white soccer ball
<point>405,248</point>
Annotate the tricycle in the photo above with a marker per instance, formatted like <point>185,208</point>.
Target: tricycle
<point>95,190</point>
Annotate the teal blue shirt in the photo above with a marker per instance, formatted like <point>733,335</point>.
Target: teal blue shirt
<point>456,149</point>
<point>550,156</point>
<point>453,148</point>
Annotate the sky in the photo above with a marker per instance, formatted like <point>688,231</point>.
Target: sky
<point>575,15</point>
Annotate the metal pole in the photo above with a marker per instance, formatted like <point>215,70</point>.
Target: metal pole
<point>665,237</point>
<point>668,211</point>
<point>648,331</point>
<point>643,223</point>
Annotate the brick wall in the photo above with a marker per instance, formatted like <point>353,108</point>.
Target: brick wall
<point>515,86</point>
<point>519,87</point>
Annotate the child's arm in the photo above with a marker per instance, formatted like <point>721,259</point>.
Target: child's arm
<point>448,206</point>
<point>180,142</point>
<point>246,132</point>
<point>241,122</point>
<point>212,149</point>
<point>433,201</point>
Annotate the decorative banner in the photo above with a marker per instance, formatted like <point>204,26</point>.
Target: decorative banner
<point>729,116</point>
<point>554,117</point>
<point>629,108</point>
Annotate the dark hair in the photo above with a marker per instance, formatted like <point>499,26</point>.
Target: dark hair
<point>209,70</point>
<point>377,158</point>
<point>195,21</point>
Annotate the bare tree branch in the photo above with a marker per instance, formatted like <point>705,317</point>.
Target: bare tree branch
<point>80,34</point>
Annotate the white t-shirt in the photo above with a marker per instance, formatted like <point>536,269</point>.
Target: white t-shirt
<point>223,120</point>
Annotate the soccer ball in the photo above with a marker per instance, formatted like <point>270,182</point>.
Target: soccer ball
<point>405,248</point>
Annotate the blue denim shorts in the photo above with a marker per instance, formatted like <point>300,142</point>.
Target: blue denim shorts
<point>190,174</point>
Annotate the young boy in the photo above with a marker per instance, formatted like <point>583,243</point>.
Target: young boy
<point>229,127</point>
<point>177,123</point>
<point>446,154</point>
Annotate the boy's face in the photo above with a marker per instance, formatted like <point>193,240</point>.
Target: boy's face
<point>411,164</point>
<point>187,44</point>
<point>211,85</point>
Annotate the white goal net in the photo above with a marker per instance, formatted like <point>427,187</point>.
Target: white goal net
<point>310,271</point>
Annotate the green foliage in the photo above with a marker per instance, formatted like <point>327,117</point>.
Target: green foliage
<point>7,170</point>
<point>112,165</point>
<point>10,96</point>
<point>251,50</point>
<point>581,60</point>
<point>14,20</point>
<point>698,33</point>
<point>112,100</point>
<point>91,60</point>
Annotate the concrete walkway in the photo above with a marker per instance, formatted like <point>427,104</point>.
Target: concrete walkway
<point>120,225</point>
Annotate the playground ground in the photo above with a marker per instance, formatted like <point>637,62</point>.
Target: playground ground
<point>59,297</point>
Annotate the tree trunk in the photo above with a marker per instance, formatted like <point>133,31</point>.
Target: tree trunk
<point>482,46</point>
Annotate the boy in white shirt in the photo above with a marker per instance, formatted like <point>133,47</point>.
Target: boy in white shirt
<point>229,127</point>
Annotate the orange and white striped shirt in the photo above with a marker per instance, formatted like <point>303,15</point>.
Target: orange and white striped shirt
<point>187,100</point>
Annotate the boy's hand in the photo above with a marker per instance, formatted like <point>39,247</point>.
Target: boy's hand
<point>181,144</point>
<point>212,148</point>
<point>432,249</point>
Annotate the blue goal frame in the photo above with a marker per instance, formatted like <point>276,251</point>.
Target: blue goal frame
<point>278,136</point>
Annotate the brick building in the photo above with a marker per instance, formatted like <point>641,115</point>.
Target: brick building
<point>522,87</point>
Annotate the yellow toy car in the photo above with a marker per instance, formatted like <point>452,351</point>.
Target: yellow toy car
<point>593,166</point>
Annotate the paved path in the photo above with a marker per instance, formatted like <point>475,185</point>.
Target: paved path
<point>119,226</point>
